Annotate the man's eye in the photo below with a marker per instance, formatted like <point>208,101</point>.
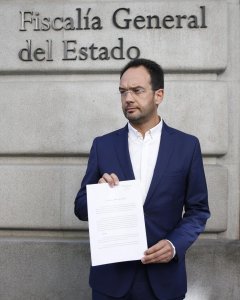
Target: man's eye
<point>138,91</point>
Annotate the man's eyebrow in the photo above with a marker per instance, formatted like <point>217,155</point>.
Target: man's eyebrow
<point>133,87</point>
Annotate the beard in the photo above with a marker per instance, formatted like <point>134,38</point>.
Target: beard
<point>136,116</point>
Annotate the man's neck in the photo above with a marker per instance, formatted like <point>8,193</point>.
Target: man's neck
<point>145,127</point>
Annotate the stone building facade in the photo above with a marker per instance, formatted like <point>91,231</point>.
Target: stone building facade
<point>59,72</point>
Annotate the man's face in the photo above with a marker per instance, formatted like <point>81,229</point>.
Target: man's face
<point>139,101</point>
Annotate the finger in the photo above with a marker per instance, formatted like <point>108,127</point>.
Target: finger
<point>157,258</point>
<point>163,245</point>
<point>160,252</point>
<point>158,255</point>
<point>115,178</point>
<point>160,245</point>
<point>101,180</point>
<point>105,178</point>
<point>111,179</point>
<point>157,261</point>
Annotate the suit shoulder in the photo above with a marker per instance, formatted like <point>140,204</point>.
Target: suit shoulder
<point>183,135</point>
<point>110,135</point>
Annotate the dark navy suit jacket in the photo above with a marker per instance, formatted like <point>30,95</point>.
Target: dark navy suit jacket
<point>176,207</point>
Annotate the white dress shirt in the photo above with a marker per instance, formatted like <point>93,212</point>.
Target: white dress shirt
<point>143,154</point>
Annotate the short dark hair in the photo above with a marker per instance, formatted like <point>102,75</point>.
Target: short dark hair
<point>155,71</point>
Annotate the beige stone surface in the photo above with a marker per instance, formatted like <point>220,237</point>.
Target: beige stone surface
<point>217,181</point>
<point>63,117</point>
<point>41,195</point>
<point>174,43</point>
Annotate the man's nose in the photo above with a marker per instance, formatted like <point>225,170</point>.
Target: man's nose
<point>129,96</point>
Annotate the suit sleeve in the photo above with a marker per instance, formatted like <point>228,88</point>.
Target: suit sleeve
<point>92,176</point>
<point>196,210</point>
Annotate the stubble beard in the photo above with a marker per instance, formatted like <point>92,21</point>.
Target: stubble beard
<point>136,119</point>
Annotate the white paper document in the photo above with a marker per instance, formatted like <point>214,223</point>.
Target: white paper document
<point>116,222</point>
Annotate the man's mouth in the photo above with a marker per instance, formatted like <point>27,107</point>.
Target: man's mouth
<point>131,109</point>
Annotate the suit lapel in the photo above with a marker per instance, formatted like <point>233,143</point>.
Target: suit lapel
<point>164,154</point>
<point>165,151</point>
<point>121,147</point>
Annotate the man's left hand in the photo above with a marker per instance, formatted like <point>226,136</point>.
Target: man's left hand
<point>162,252</point>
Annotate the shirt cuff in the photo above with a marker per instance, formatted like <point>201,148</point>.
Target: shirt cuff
<point>174,250</point>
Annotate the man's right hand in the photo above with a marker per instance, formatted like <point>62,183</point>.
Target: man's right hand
<point>111,179</point>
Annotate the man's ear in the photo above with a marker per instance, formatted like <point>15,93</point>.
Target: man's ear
<point>159,94</point>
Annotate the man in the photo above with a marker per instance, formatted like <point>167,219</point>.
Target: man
<point>169,164</point>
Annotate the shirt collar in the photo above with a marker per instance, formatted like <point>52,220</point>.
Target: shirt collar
<point>153,132</point>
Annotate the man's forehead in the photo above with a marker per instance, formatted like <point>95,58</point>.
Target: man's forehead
<point>135,76</point>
